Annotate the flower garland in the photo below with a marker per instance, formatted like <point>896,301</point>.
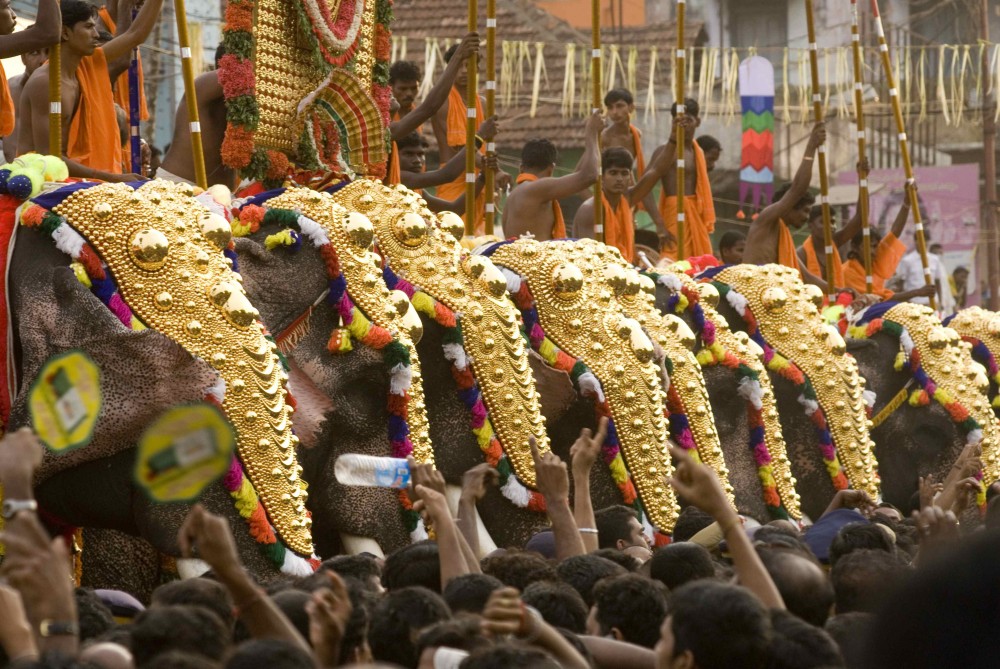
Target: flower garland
<point>354,326</point>
<point>686,300</point>
<point>335,40</point>
<point>93,274</point>
<point>469,391</point>
<point>789,371</point>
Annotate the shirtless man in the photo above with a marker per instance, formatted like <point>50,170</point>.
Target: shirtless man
<point>80,51</point>
<point>407,120</point>
<point>533,205</point>
<point>712,149</point>
<point>404,80</point>
<point>178,165</point>
<point>32,61</point>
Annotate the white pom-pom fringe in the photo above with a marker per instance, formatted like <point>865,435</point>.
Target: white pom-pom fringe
<point>515,491</point>
<point>68,240</point>
<point>750,390</point>
<point>314,231</point>
<point>295,565</point>
<point>589,385</point>
<point>218,390</point>
<point>811,406</point>
<point>737,302</point>
<point>455,354</point>
<point>400,377</point>
<point>671,282</point>
<point>869,397</point>
<point>907,343</point>
<point>513,280</point>
<point>206,200</point>
<point>974,437</point>
<point>420,533</point>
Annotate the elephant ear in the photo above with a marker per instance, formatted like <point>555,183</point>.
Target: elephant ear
<point>555,387</point>
<point>311,405</point>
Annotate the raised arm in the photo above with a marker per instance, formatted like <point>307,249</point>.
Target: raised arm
<point>586,173</point>
<point>451,170</point>
<point>904,212</point>
<point>438,94</point>
<point>771,214</point>
<point>853,226</point>
<point>137,32</point>
<point>553,483</point>
<point>42,34</point>
<point>583,454</point>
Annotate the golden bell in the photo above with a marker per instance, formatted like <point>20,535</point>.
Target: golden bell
<point>774,298</point>
<point>709,294</point>
<point>359,230</point>
<point>238,310</point>
<point>567,280</point>
<point>452,223</point>
<point>216,230</point>
<point>410,229</point>
<point>148,249</point>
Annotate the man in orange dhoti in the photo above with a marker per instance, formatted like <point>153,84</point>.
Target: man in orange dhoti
<point>91,143</point>
<point>120,88</point>
<point>812,251</point>
<point>699,209</point>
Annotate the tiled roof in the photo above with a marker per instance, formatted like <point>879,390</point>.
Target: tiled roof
<point>520,21</point>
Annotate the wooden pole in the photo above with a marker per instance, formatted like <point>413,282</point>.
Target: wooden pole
<point>990,171</point>
<point>918,223</point>
<point>197,152</point>
<point>55,101</point>
<point>824,184</point>
<point>859,84</point>
<point>491,90</point>
<point>135,142</point>
<point>681,139</point>
<point>596,103</point>
<point>471,93</point>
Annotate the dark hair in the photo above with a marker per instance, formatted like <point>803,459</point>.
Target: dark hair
<point>270,653</point>
<point>187,628</point>
<point>397,617</point>
<point>855,536</point>
<point>798,645</point>
<point>632,604</point>
<point>504,657</point>
<point>816,212</point>
<point>850,632</point>
<point>584,571</point>
<point>863,579</point>
<point>220,51</point>
<point>403,70</point>
<point>179,659</point>
<point>618,94</point>
<point>470,592</point>
<point>807,198</point>
<point>559,603</point>
<point>362,567</point>
<point>416,564</point>
<point>614,522</point>
<point>93,617</point>
<point>721,625</point>
<point>292,604</point>
<point>451,51</point>
<point>76,11</point>
<point>356,631</point>
<point>691,108</point>
<point>202,592</point>
<point>628,562</point>
<point>462,632</point>
<point>803,585</point>
<point>616,156</point>
<point>413,139</point>
<point>690,522</point>
<point>519,570</point>
<point>678,563</point>
<point>538,154</point>
<point>708,143</point>
<point>730,239</point>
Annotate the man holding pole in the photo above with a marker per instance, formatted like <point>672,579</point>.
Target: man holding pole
<point>89,126</point>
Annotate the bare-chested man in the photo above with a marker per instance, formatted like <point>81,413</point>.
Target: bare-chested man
<point>90,129</point>
<point>178,165</point>
<point>533,205</point>
<point>32,61</point>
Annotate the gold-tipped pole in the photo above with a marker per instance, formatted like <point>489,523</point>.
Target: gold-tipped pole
<point>491,89</point>
<point>187,67</point>
<point>681,148</point>
<point>55,101</point>
<point>471,91</point>
<point>596,103</point>
<point>859,84</point>
<point>824,183</point>
<point>904,150</point>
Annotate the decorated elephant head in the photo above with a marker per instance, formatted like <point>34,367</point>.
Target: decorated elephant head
<point>981,329</point>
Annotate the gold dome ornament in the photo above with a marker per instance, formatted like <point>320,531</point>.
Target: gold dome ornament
<point>149,248</point>
<point>216,229</point>
<point>452,223</point>
<point>410,229</point>
<point>359,230</point>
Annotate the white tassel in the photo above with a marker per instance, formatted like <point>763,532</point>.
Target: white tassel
<point>671,282</point>
<point>420,533</point>
<point>68,240</point>
<point>513,280</point>
<point>455,354</point>
<point>515,491</point>
<point>869,396</point>
<point>218,389</point>
<point>400,378</point>
<point>206,200</point>
<point>737,302</point>
<point>974,437</point>
<point>294,565</point>
<point>907,342</point>
<point>750,390</point>
<point>811,406</point>
<point>589,385</point>
<point>314,231</point>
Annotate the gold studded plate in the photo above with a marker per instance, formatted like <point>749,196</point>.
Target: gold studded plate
<point>577,312</point>
<point>433,261</point>
<point>351,234</point>
<point>951,367</point>
<point>156,244</point>
<point>790,322</point>
<point>740,346</point>
<point>980,325</point>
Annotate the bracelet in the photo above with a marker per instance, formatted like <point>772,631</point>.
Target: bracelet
<point>588,530</point>
<point>49,628</point>
<point>807,159</point>
<point>479,142</point>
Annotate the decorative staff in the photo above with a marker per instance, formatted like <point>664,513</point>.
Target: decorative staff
<point>491,90</point>
<point>471,91</point>
<point>135,142</point>
<point>55,101</point>
<point>862,165</point>
<point>197,152</point>
<point>595,90</point>
<point>680,147</point>
<point>918,223</point>
<point>824,184</point>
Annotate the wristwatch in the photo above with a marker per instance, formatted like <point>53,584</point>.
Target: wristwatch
<point>12,507</point>
<point>48,628</point>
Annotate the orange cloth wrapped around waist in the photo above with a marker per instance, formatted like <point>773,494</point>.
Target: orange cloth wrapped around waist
<point>121,84</point>
<point>456,137</point>
<point>812,263</point>
<point>393,178</point>
<point>619,227</point>
<point>6,105</point>
<point>93,131</point>
<point>558,223</point>
<point>786,247</point>
<point>699,213</point>
<point>887,256</point>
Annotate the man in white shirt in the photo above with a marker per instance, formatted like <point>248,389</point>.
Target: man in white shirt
<point>911,272</point>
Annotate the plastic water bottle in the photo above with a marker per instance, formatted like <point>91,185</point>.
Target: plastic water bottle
<point>369,470</point>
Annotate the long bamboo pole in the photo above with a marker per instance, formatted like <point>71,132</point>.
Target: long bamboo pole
<point>491,91</point>
<point>824,183</point>
<point>596,102</point>
<point>471,93</point>
<point>681,139</point>
<point>55,101</point>
<point>135,142</point>
<point>859,83</point>
<point>197,151</point>
<point>904,150</point>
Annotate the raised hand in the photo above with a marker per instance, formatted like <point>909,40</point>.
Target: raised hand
<point>489,128</point>
<point>594,124</point>
<point>431,504</point>
<point>550,474</point>
<point>39,568</point>
<point>852,499</point>
<point>468,46</point>
<point>206,536</point>
<point>425,475</point>
<point>477,480</point>
<point>329,611</point>
<point>584,451</point>
<point>817,137</point>
<point>929,488</point>
<point>20,456</point>
<point>16,637</point>
<point>698,485</point>
<point>505,614</point>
